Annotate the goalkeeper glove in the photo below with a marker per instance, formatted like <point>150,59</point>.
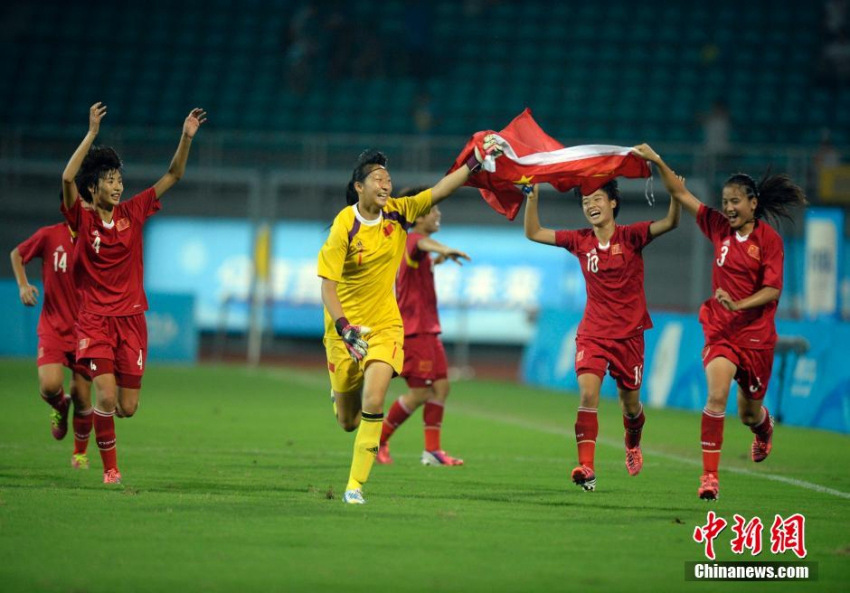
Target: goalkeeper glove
<point>352,337</point>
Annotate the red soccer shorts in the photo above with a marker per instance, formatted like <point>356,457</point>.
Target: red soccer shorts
<point>54,350</point>
<point>754,366</point>
<point>623,359</point>
<point>424,360</point>
<point>122,340</point>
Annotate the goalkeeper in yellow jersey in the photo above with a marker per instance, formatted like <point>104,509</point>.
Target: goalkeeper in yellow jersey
<point>364,337</point>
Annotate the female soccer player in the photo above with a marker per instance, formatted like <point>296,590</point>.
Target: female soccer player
<point>358,265</point>
<point>56,345</point>
<point>610,335</point>
<point>425,366</point>
<point>111,331</point>
<point>738,320</point>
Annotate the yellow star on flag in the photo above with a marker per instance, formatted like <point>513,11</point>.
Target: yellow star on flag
<point>524,180</point>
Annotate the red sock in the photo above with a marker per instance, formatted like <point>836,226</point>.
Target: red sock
<point>712,440</point>
<point>763,427</point>
<point>57,400</point>
<point>634,428</point>
<point>104,434</point>
<point>395,417</point>
<point>82,429</point>
<point>433,417</point>
<point>587,429</point>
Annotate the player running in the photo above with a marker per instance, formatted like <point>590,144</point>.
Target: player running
<point>610,335</point>
<point>425,367</point>
<point>111,331</point>
<point>358,264</point>
<point>738,320</point>
<point>56,345</point>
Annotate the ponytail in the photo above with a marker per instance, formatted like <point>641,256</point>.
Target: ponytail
<point>777,195</point>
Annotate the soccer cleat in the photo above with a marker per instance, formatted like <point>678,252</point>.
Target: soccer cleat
<point>353,497</point>
<point>584,477</point>
<point>634,461</point>
<point>80,461</point>
<point>761,445</point>
<point>708,487</point>
<point>59,419</point>
<point>112,476</point>
<point>383,456</point>
<point>439,458</point>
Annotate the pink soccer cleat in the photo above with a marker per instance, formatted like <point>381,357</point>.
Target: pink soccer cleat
<point>112,476</point>
<point>383,456</point>
<point>762,444</point>
<point>634,460</point>
<point>439,458</point>
<point>708,487</point>
<point>584,477</point>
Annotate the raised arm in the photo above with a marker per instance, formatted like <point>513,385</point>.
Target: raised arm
<point>69,188</point>
<point>191,125</point>
<point>444,251</point>
<point>28,292</point>
<point>669,222</point>
<point>533,230</point>
<point>675,185</point>
<point>451,182</point>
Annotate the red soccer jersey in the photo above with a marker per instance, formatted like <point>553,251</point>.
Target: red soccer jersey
<point>55,246</point>
<point>417,298</point>
<point>742,266</point>
<point>110,270</point>
<point>613,276</point>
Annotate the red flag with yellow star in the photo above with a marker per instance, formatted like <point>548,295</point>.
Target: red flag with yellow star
<point>532,156</point>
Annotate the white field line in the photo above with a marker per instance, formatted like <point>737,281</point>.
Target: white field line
<point>310,380</point>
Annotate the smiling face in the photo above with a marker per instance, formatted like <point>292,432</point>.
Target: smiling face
<point>376,188</point>
<point>109,188</point>
<point>598,208</point>
<point>738,207</point>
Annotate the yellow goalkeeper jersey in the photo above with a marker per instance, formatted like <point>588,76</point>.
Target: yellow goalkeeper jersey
<point>363,256</point>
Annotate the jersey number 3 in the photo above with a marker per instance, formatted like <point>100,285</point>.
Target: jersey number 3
<point>724,251</point>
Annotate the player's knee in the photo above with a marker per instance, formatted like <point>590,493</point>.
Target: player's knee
<point>126,410</point>
<point>50,387</point>
<point>749,417</point>
<point>349,424</point>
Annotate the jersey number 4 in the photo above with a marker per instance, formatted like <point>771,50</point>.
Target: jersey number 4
<point>96,244</point>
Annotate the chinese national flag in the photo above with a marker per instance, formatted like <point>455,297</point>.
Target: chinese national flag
<point>532,156</point>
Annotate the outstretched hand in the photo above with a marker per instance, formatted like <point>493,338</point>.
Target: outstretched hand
<point>96,113</point>
<point>193,121</point>
<point>646,152</point>
<point>492,146</point>
<point>453,254</point>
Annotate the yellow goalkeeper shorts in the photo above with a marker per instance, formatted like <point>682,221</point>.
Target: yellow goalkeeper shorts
<point>386,345</point>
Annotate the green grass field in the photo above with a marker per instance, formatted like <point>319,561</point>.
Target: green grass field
<point>233,477</point>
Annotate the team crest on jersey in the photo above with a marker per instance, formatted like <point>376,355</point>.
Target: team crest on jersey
<point>388,230</point>
<point>753,252</point>
<point>84,343</point>
<point>95,233</point>
<point>122,224</point>
<point>616,249</point>
<point>726,242</point>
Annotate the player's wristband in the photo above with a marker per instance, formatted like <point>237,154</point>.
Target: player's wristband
<point>340,324</point>
<point>473,163</point>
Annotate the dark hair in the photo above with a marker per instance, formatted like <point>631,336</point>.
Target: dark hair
<point>611,189</point>
<point>99,161</point>
<point>366,158</point>
<point>776,194</point>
